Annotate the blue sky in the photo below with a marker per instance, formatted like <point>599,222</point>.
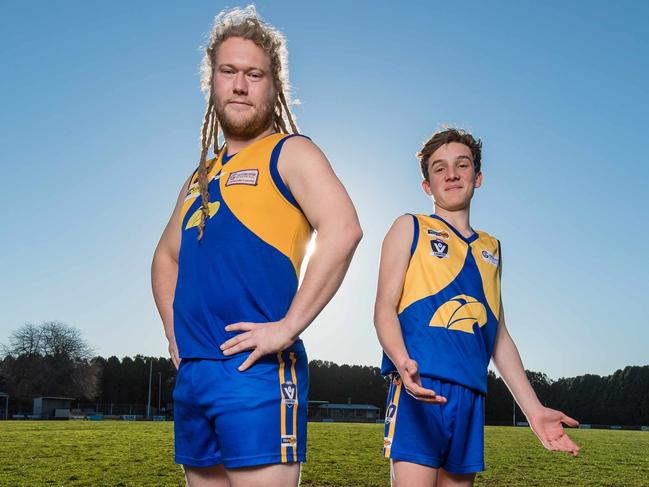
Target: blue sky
<point>101,110</point>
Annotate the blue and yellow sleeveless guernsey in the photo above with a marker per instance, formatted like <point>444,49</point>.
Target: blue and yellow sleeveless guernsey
<point>247,265</point>
<point>450,304</point>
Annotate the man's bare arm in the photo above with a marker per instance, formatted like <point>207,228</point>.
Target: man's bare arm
<point>326,204</point>
<point>395,257</point>
<point>164,273</point>
<point>545,422</point>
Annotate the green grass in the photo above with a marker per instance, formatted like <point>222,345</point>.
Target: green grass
<point>83,453</point>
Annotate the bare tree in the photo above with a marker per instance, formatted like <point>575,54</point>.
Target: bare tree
<point>26,340</point>
<point>49,359</point>
<point>60,340</point>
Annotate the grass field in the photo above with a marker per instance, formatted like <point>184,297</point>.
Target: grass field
<point>83,453</point>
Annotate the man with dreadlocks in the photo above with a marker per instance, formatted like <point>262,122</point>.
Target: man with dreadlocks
<point>225,273</point>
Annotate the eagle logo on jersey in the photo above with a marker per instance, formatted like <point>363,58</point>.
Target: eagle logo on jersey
<point>195,219</point>
<point>289,394</point>
<point>460,313</point>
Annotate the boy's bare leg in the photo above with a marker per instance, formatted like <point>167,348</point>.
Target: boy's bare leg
<point>448,479</point>
<point>206,476</point>
<point>277,475</point>
<point>407,474</point>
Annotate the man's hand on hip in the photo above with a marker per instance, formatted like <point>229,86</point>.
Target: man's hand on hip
<point>261,338</point>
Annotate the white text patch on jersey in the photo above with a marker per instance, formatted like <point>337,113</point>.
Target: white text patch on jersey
<point>246,176</point>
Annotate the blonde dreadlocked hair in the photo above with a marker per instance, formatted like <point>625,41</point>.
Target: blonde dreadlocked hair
<point>244,23</point>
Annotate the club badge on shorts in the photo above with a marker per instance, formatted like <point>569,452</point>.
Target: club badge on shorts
<point>289,394</point>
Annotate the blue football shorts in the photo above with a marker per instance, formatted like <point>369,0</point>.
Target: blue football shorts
<point>241,419</point>
<point>448,436</point>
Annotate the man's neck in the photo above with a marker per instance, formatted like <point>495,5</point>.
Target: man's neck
<point>459,219</point>
<point>235,144</point>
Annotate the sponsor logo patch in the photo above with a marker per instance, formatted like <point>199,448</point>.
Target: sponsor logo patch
<point>443,234</point>
<point>289,441</point>
<point>289,394</point>
<point>489,257</point>
<point>387,442</point>
<point>248,177</point>
<point>439,249</point>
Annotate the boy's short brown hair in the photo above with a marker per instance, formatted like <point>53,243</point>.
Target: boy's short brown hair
<point>447,136</point>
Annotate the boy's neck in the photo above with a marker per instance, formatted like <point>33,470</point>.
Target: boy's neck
<point>459,219</point>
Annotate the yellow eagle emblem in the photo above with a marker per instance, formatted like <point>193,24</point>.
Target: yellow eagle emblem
<point>460,313</point>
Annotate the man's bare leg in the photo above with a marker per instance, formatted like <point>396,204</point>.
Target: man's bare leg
<point>407,474</point>
<point>448,479</point>
<point>214,476</point>
<point>278,475</point>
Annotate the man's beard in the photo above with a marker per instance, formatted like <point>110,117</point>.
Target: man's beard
<point>245,128</point>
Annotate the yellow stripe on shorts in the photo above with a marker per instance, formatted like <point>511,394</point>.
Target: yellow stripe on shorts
<point>395,400</point>
<point>295,406</point>
<point>283,406</point>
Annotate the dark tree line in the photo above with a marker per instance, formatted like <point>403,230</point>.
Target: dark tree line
<point>342,383</point>
<point>52,359</point>
<point>126,381</point>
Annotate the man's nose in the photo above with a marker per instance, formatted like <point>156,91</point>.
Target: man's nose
<point>240,86</point>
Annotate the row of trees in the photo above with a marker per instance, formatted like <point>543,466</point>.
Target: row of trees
<point>52,359</point>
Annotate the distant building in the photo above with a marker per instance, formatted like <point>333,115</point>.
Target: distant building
<point>52,407</point>
<point>352,413</point>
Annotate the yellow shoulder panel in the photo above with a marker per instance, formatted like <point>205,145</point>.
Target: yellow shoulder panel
<point>428,274</point>
<point>248,189</point>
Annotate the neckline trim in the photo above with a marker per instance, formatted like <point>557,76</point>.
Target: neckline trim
<point>468,240</point>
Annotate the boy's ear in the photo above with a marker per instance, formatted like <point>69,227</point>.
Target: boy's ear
<point>478,180</point>
<point>426,187</point>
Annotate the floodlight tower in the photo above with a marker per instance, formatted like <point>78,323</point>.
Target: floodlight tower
<point>148,402</point>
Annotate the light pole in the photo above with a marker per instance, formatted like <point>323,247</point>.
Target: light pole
<point>159,390</point>
<point>148,402</point>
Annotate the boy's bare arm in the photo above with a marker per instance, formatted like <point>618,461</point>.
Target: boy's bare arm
<point>395,257</point>
<point>545,422</point>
